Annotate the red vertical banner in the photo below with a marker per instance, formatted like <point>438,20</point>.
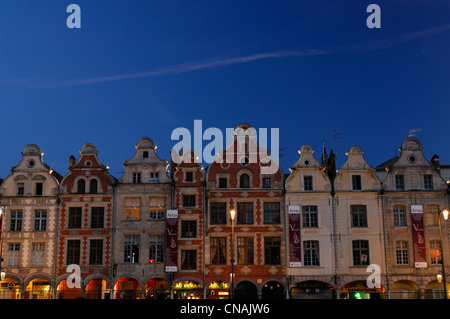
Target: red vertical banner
<point>420,253</point>
<point>172,241</point>
<point>295,249</point>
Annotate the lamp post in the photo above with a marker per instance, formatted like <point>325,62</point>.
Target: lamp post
<point>232,216</point>
<point>441,275</point>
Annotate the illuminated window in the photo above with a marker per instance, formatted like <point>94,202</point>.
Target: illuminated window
<point>432,212</point>
<point>132,208</point>
<point>435,252</point>
<point>157,208</point>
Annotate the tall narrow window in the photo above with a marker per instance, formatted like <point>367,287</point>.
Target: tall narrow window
<point>81,186</point>
<point>189,177</point>
<point>272,248</point>
<point>435,252</point>
<point>156,249</point>
<point>245,250</point>
<point>218,213</point>
<point>272,213</point>
<point>402,252</point>
<point>432,213</point>
<point>428,181</point>
<point>132,208</point>
<point>20,189</point>
<point>73,252</point>
<point>136,178</point>
<point>223,182</point>
<point>356,182</point>
<point>16,220</point>
<point>244,181</point>
<point>245,213</point>
<point>97,217</point>
<point>93,186</point>
<point>96,252</point>
<point>131,249</point>
<point>309,217</point>
<point>157,208</point>
<point>399,182</point>
<point>39,189</point>
<point>37,254</point>
<point>188,259</point>
<point>307,183</point>
<point>13,257</point>
<point>360,252</point>
<point>218,250</point>
<point>74,217</point>
<point>189,200</point>
<point>311,253</point>
<point>399,215</point>
<point>188,229</point>
<point>359,215</point>
<point>40,220</point>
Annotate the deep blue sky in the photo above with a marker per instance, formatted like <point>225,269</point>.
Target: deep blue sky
<point>144,68</point>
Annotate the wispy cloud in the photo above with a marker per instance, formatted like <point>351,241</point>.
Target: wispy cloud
<point>220,62</point>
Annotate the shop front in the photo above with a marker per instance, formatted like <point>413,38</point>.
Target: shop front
<point>97,288</point>
<point>157,288</point>
<point>359,290</point>
<point>127,288</point>
<point>187,290</point>
<point>38,288</point>
<point>64,292</point>
<point>312,289</point>
<point>9,289</point>
<point>218,290</point>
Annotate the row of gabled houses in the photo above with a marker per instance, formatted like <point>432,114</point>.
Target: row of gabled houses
<point>164,230</point>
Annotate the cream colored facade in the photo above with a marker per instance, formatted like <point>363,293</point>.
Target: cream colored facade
<point>30,206</point>
<point>313,200</point>
<point>411,179</point>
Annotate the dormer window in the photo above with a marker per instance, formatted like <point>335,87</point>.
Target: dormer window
<point>189,177</point>
<point>93,186</point>
<point>81,186</point>
<point>356,182</point>
<point>39,189</point>
<point>20,189</point>
<point>154,178</point>
<point>136,178</point>
<point>145,154</point>
<point>244,181</point>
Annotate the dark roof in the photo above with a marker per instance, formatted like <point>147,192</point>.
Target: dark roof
<point>388,163</point>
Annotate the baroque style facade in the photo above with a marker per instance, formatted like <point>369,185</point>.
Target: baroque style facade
<point>166,231</point>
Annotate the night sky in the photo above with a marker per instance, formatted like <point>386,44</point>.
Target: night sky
<point>145,68</point>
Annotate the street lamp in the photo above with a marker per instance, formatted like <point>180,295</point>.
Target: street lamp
<point>441,275</point>
<point>232,216</point>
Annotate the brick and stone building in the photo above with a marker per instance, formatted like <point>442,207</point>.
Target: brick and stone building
<point>143,194</point>
<point>85,226</point>
<point>30,206</point>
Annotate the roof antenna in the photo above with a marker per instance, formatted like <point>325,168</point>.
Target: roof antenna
<point>411,133</point>
<point>337,136</point>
